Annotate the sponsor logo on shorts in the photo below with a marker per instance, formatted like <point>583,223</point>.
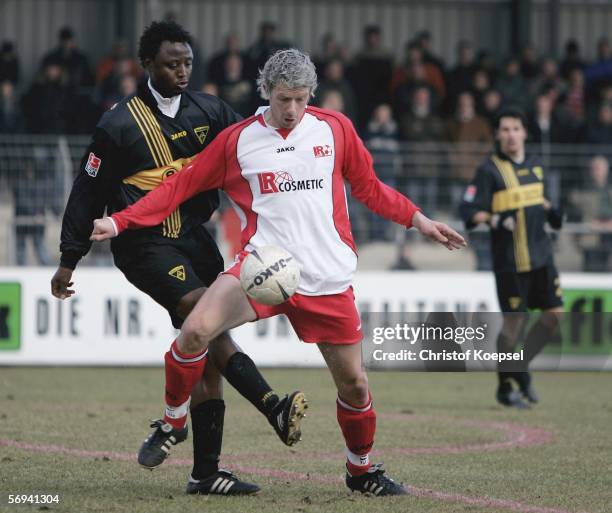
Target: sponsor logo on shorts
<point>178,272</point>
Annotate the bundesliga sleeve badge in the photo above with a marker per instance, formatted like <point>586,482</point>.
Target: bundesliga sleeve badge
<point>93,165</point>
<point>470,194</point>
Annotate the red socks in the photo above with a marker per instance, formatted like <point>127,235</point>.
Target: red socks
<point>183,371</point>
<point>358,425</point>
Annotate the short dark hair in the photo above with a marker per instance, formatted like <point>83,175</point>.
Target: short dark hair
<point>158,32</point>
<point>511,112</point>
<point>66,34</point>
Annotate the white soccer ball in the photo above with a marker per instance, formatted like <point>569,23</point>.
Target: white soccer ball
<point>270,275</point>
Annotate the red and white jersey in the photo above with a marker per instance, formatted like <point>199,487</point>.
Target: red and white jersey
<point>288,190</point>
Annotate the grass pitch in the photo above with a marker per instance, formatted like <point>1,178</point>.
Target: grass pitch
<point>74,433</point>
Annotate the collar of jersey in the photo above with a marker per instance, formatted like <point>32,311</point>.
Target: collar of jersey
<point>168,106</point>
<point>281,132</point>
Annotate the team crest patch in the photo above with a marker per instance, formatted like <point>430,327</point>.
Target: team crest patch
<point>201,132</point>
<point>178,272</point>
<point>470,193</point>
<point>514,301</point>
<point>93,165</point>
<point>539,172</point>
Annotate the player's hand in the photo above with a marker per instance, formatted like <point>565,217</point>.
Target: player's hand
<point>505,221</point>
<point>60,283</point>
<point>103,229</point>
<point>438,232</point>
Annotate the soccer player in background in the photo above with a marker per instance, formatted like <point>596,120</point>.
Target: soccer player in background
<point>284,170</point>
<point>509,193</point>
<point>137,144</point>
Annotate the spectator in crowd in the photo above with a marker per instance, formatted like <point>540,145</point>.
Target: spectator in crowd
<point>481,83</point>
<point>216,65</point>
<point>530,66</point>
<point>30,197</point>
<point>545,124</point>
<point>574,98</point>
<point>266,44</point>
<point>594,206</point>
<point>9,63</point>
<point>119,57</point>
<point>419,123</point>
<point>512,85</point>
<point>423,40</point>
<point>571,59</point>
<point>127,86</point>
<point>235,88</point>
<point>548,78</point>
<point>492,103</point>
<point>467,127</point>
<point>47,104</point>
<point>333,79</point>
<point>332,99</point>
<point>74,63</point>
<point>382,139</point>
<point>111,89</point>
<point>600,131</point>
<point>461,76</point>
<point>11,119</point>
<point>416,78</point>
<point>331,49</point>
<point>485,61</point>
<point>370,74</point>
<point>210,88</point>
<point>599,74</point>
<point>430,72</point>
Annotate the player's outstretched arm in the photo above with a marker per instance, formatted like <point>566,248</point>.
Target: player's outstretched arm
<point>438,231</point>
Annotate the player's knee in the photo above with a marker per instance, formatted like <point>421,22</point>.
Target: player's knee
<point>355,389</point>
<point>195,336</point>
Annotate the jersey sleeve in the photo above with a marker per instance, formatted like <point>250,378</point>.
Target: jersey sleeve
<point>366,187</point>
<point>206,172</point>
<point>88,197</point>
<point>477,197</point>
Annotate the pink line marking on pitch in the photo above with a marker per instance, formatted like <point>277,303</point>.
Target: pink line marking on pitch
<point>518,436</point>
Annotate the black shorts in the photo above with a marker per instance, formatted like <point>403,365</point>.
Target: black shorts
<point>520,292</point>
<point>167,271</point>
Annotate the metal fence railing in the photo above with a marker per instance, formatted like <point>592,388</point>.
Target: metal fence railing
<point>36,174</point>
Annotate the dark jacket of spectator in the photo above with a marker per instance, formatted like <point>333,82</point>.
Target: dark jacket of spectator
<point>9,63</point>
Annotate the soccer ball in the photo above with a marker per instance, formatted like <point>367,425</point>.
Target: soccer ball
<point>269,275</point>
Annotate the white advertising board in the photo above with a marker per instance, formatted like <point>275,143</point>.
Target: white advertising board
<point>110,322</point>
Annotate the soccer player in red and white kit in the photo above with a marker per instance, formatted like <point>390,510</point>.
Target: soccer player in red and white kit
<point>284,170</point>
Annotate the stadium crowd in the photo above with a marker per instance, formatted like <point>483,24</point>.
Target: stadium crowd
<point>423,98</point>
<point>420,100</point>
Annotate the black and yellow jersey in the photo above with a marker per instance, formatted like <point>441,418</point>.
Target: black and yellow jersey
<point>134,147</point>
<point>502,186</point>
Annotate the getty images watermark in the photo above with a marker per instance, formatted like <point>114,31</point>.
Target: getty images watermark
<point>466,341</point>
<point>422,334</point>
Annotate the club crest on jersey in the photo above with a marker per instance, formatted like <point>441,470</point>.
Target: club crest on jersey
<point>201,132</point>
<point>93,165</point>
<point>271,182</point>
<point>323,151</point>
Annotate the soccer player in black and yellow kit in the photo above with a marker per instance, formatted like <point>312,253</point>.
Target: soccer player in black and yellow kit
<point>509,193</point>
<point>139,142</point>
